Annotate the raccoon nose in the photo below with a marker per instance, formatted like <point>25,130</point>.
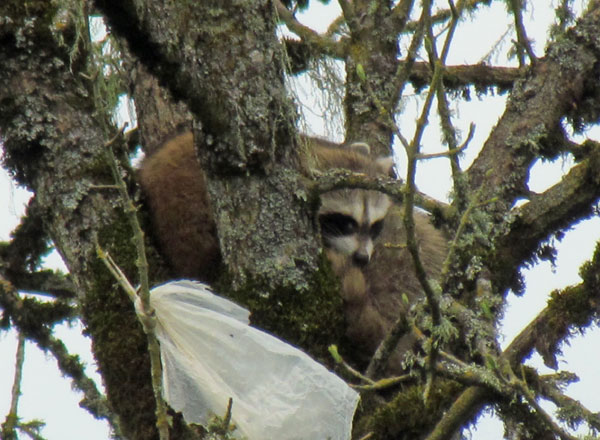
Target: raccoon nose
<point>360,259</point>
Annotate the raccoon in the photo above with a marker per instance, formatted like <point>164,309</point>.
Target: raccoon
<point>355,226</point>
<point>351,219</point>
<point>364,238</point>
<point>175,191</point>
<point>174,188</point>
<point>378,294</point>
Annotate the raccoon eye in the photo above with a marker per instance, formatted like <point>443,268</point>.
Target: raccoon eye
<point>376,229</point>
<point>337,224</point>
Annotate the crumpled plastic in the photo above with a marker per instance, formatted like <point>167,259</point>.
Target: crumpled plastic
<point>210,354</point>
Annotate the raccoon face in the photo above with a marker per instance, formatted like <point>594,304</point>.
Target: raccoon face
<point>351,220</point>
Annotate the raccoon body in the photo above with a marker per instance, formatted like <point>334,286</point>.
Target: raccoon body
<point>174,188</point>
<point>378,294</point>
<point>355,224</point>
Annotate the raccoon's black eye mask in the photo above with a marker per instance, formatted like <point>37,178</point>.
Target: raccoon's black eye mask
<point>337,224</point>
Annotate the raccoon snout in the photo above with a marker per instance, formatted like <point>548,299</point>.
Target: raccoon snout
<point>360,259</point>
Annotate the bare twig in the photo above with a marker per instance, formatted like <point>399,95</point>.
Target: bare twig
<point>340,361</point>
<point>324,44</point>
<point>384,383</point>
<point>453,151</point>
<point>522,39</point>
<point>412,153</point>
<point>445,14</point>
<point>141,300</point>
<point>386,347</point>
<point>11,421</point>
<point>449,134</point>
<point>404,69</point>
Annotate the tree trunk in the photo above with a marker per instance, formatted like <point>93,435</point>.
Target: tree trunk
<point>54,144</point>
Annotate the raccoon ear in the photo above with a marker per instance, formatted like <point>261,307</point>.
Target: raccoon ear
<point>360,148</point>
<point>386,165</point>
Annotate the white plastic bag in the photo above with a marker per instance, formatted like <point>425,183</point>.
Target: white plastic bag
<point>210,353</point>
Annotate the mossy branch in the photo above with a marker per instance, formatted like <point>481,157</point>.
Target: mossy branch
<point>38,330</point>
<point>570,410</point>
<point>146,317</point>
<point>317,42</point>
<point>569,200</point>
<point>333,351</point>
<point>370,385</point>
<point>340,179</point>
<point>140,299</point>
<point>574,306</point>
<point>386,347</point>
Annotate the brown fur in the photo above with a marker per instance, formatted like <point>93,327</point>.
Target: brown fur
<point>392,279</point>
<point>373,295</point>
<point>174,187</point>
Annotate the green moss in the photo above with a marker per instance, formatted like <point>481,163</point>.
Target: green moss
<point>406,416</point>
<point>119,343</point>
<point>571,306</point>
<point>312,319</point>
<point>20,11</point>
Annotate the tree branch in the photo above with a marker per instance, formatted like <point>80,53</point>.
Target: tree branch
<point>574,306</point>
<point>569,200</point>
<point>8,428</point>
<point>27,316</point>
<point>534,110</point>
<point>56,151</point>
<point>523,42</point>
<point>317,44</point>
<point>570,410</point>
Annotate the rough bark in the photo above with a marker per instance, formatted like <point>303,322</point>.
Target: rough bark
<point>530,125</point>
<point>371,62</point>
<point>530,129</point>
<point>54,145</point>
<point>245,135</point>
<point>246,125</point>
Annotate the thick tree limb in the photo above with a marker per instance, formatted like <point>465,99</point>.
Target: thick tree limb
<point>53,143</point>
<point>568,201</point>
<point>477,75</point>
<point>534,111</point>
<point>246,126</point>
